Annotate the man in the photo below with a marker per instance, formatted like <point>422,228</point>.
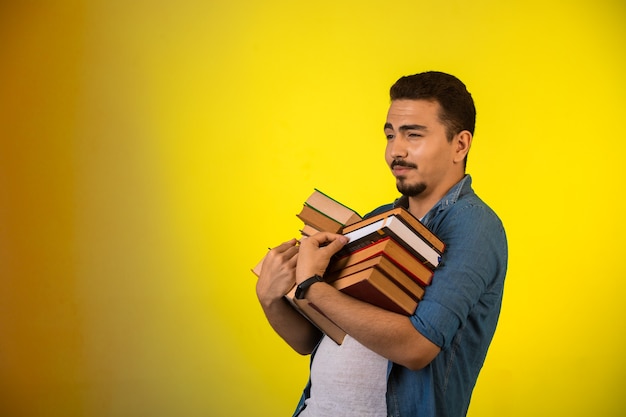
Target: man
<point>389,364</point>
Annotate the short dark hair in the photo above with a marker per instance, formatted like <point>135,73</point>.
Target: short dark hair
<point>457,106</point>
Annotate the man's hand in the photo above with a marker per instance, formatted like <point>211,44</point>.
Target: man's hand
<point>278,273</point>
<point>315,253</point>
<point>277,278</point>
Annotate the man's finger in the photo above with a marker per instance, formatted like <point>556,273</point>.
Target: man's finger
<point>336,244</point>
<point>324,238</point>
<point>286,245</point>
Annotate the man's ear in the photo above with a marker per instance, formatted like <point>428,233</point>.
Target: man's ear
<point>462,143</point>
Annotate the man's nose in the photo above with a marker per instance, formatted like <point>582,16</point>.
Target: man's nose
<point>398,147</point>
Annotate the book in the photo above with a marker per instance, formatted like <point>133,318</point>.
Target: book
<point>395,227</point>
<point>429,237</point>
<point>257,269</point>
<point>318,220</point>
<point>391,270</point>
<point>308,230</point>
<point>316,317</point>
<point>395,252</point>
<point>332,208</point>
<point>373,286</point>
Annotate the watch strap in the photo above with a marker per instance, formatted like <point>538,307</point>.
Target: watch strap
<point>304,286</point>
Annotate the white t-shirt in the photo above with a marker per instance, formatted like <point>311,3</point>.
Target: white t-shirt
<point>347,380</point>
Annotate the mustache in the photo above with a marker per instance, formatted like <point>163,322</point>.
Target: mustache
<point>402,163</point>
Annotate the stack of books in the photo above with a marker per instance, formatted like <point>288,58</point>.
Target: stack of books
<point>388,261</point>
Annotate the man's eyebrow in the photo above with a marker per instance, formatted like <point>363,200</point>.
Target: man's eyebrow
<point>404,128</point>
<point>412,127</point>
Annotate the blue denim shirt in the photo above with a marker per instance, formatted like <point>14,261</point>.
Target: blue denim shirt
<point>459,311</point>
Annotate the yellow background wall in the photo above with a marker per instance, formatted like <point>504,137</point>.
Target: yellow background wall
<point>151,151</point>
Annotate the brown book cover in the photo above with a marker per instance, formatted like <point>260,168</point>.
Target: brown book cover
<point>415,269</point>
<point>257,269</point>
<point>308,230</point>
<point>393,271</point>
<point>373,286</point>
<point>316,317</point>
<point>319,220</point>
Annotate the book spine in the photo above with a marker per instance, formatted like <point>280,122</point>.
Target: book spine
<point>421,235</point>
<point>430,261</point>
<point>423,278</point>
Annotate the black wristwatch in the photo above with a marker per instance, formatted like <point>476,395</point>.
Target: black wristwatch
<point>304,285</point>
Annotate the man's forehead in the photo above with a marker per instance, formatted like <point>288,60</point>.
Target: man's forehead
<point>412,112</point>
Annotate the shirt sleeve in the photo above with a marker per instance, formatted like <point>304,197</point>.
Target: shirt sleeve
<point>468,271</point>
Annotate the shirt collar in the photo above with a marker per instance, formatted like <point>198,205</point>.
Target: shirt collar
<point>451,197</point>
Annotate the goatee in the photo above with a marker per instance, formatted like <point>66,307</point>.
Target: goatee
<point>410,190</point>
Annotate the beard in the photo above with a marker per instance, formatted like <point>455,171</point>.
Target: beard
<point>406,189</point>
<point>409,190</point>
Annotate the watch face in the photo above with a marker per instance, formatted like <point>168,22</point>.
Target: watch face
<point>298,292</point>
<point>304,285</point>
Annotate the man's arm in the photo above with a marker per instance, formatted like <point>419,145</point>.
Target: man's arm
<point>389,334</point>
<point>277,277</point>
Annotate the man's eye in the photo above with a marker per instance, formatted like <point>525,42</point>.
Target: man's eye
<point>389,136</point>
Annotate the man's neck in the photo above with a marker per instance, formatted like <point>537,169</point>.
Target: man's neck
<point>419,208</point>
<point>421,204</point>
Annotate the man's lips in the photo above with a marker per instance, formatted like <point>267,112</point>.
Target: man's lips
<point>400,169</point>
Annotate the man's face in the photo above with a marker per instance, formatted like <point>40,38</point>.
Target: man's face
<point>418,151</point>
